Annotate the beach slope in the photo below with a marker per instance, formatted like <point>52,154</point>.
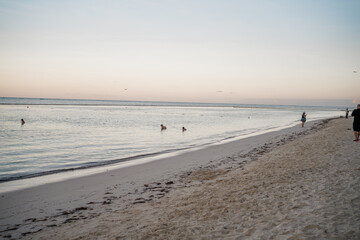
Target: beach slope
<point>304,186</point>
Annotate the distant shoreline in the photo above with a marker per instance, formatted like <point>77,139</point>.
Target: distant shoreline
<point>95,102</point>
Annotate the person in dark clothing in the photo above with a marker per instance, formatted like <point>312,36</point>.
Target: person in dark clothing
<point>356,124</point>
<point>303,119</point>
<point>347,113</point>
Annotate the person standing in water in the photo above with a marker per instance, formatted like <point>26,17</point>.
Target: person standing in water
<point>303,119</point>
<point>22,121</point>
<point>356,123</point>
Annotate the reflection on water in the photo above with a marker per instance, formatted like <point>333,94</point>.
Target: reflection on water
<point>70,136</point>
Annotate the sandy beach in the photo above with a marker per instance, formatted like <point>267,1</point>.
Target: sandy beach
<point>296,183</point>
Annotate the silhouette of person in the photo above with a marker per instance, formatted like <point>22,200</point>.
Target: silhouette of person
<point>356,123</point>
<point>303,119</point>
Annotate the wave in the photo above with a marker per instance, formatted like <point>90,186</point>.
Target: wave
<point>96,164</point>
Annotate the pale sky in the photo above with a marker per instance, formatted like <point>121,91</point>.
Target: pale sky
<point>182,50</point>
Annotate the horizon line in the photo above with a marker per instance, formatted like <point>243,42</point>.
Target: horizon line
<point>224,103</point>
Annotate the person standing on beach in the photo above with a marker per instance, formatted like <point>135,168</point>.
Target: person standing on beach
<point>303,119</point>
<point>347,113</point>
<point>356,123</point>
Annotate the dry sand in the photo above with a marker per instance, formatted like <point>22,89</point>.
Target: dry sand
<point>305,185</point>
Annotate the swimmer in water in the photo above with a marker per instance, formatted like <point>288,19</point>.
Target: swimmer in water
<point>22,121</point>
<point>162,127</point>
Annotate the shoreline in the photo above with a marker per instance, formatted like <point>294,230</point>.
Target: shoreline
<point>52,176</point>
<point>55,204</point>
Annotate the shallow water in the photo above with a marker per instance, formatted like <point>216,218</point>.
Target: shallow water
<point>68,134</point>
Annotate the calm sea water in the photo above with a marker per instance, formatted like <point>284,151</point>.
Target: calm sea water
<point>69,134</point>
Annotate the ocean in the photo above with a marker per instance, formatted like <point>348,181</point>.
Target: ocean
<point>60,135</point>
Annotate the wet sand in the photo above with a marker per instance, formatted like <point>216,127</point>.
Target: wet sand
<point>298,183</point>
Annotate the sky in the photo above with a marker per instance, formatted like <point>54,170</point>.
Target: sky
<point>225,51</point>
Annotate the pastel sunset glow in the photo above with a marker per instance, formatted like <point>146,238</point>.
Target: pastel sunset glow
<point>276,52</point>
